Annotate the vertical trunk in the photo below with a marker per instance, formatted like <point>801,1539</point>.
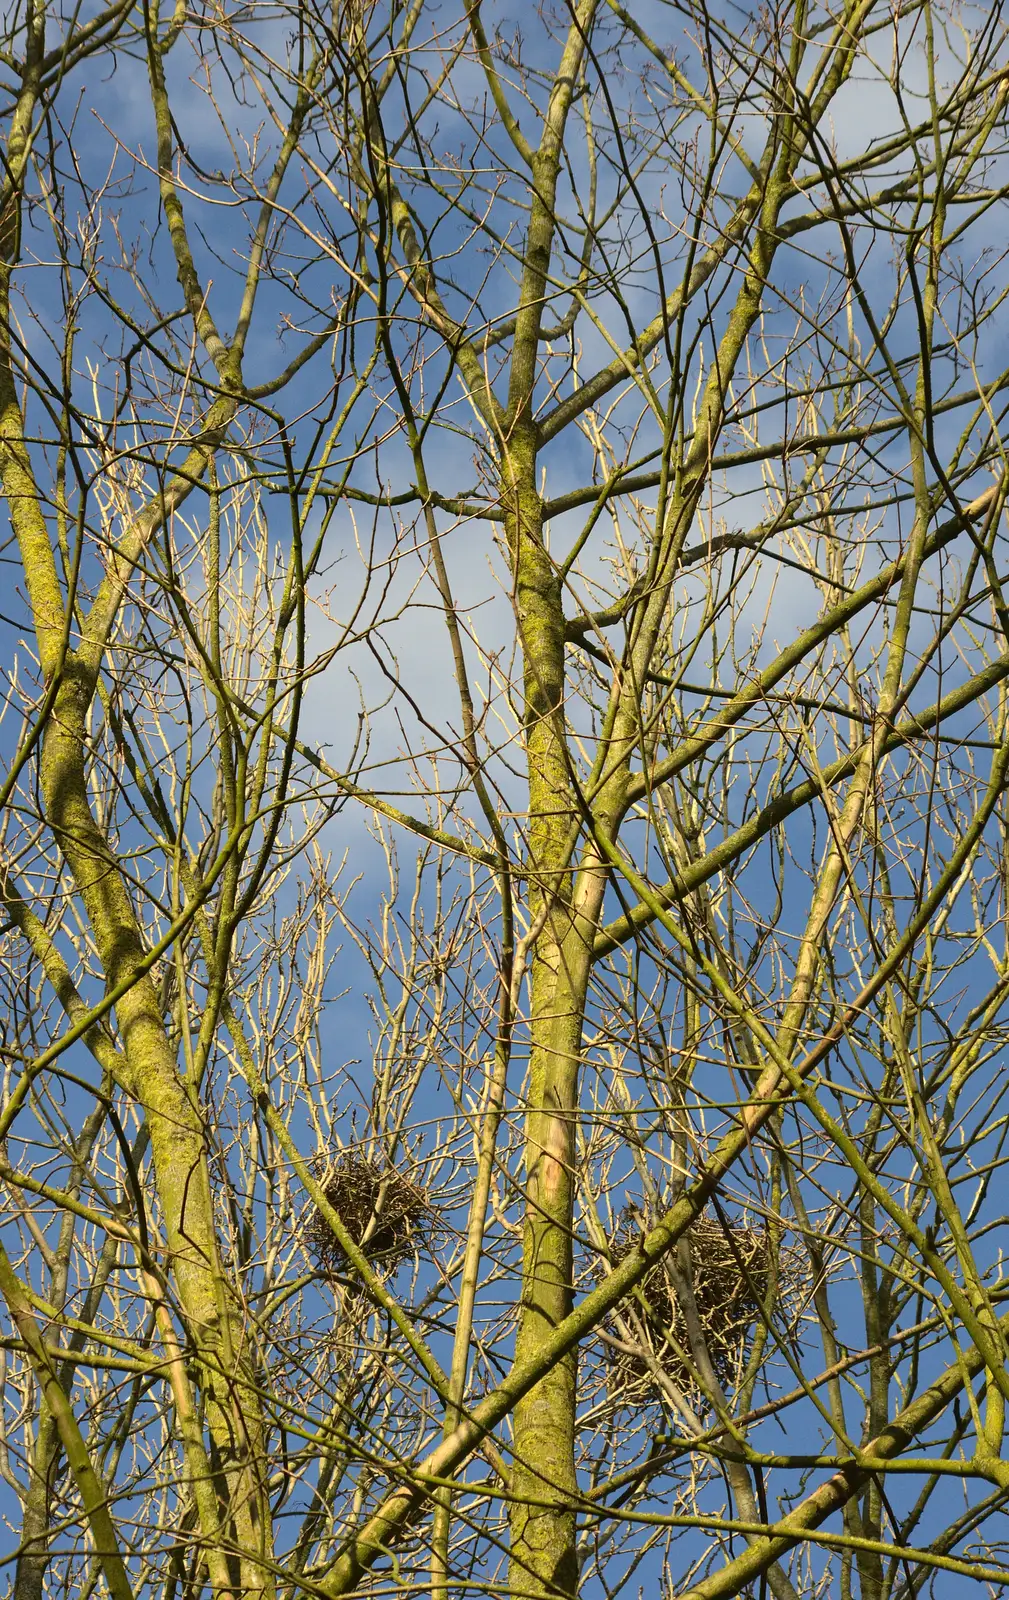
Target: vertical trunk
<point>543,1552</point>
<point>566,888</point>
<point>33,1557</point>
<point>543,1542</point>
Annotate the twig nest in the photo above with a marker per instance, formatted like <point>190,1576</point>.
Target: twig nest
<point>383,1211</point>
<point>731,1271</point>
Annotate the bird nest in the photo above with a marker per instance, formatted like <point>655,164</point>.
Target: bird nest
<point>731,1270</point>
<point>384,1212</point>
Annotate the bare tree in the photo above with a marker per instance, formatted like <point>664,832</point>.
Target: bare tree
<point>504,828</point>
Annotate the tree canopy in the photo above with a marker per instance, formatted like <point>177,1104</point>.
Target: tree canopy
<point>505,719</point>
